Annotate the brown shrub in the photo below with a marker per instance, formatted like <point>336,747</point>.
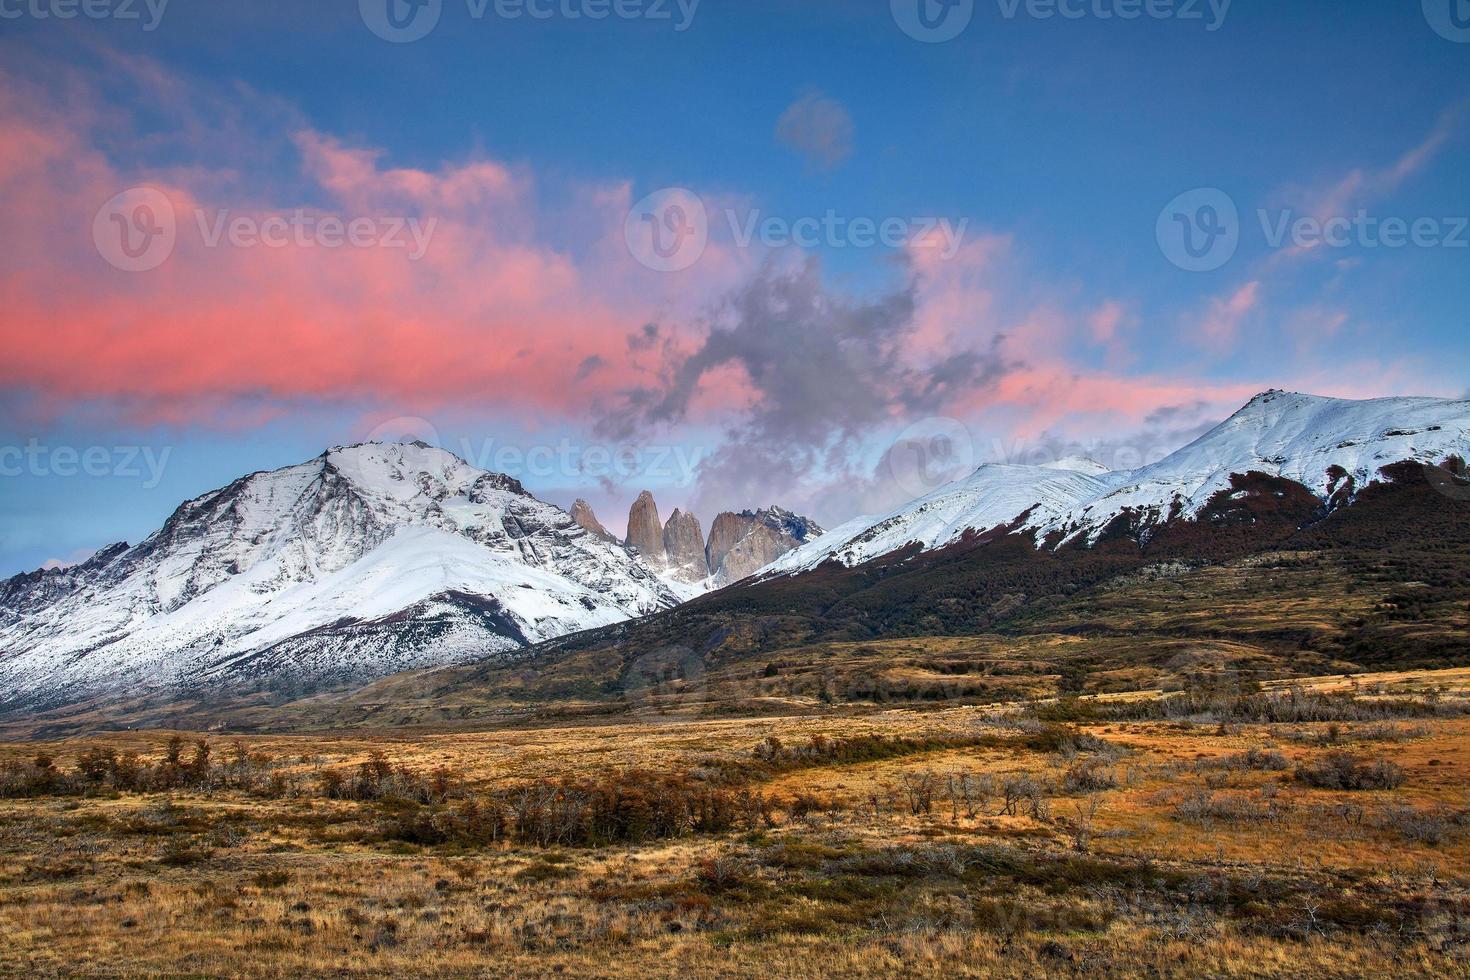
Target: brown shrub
<point>1342,771</point>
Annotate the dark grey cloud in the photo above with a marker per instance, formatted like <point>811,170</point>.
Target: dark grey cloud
<point>826,371</point>
<point>644,339</point>
<point>819,128</point>
<point>1166,414</point>
<point>590,365</point>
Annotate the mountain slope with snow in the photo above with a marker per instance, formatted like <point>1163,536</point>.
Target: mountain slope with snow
<point>1333,447</point>
<point>364,561</point>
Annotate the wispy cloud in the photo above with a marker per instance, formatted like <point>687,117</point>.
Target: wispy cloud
<point>1220,326</point>
<point>1362,187</point>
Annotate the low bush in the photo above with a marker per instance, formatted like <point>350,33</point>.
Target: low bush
<point>1248,704</point>
<point>627,808</point>
<point>1088,777</point>
<point>1261,760</point>
<point>1342,771</point>
<point>1206,807</point>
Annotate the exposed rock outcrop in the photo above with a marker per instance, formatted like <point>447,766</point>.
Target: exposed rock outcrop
<point>782,521</point>
<point>724,534</point>
<point>759,547</point>
<point>587,520</point>
<point>645,532</point>
<point>684,548</point>
<point>740,544</point>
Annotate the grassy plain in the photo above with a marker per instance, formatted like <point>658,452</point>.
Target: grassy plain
<point>978,840</point>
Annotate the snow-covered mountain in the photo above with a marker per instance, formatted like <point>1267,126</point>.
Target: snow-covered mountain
<point>1331,446</point>
<point>364,561</point>
<point>374,559</point>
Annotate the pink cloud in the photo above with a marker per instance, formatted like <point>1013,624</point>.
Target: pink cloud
<point>981,295</point>
<point>1361,187</point>
<point>1111,326</point>
<point>491,314</point>
<point>1219,329</point>
<point>505,306</point>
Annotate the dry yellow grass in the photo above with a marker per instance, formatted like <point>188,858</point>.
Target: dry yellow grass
<point>231,884</point>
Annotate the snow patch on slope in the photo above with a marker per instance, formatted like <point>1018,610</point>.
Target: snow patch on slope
<point>365,560</point>
<point>1309,439</point>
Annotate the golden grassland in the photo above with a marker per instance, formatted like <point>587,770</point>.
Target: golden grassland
<point>1149,848</point>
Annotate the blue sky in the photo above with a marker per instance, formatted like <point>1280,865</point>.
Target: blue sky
<point>1056,141</point>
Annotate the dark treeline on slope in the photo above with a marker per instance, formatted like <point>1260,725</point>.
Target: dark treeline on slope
<point>1404,537</point>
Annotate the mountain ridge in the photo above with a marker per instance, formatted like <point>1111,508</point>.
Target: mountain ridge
<point>1332,447</point>
<point>375,559</point>
<point>281,564</point>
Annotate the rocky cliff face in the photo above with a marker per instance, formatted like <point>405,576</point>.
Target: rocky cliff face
<point>684,548</point>
<point>794,526</point>
<point>737,546</point>
<point>645,532</point>
<point>587,520</point>
<point>759,547</point>
<point>724,534</point>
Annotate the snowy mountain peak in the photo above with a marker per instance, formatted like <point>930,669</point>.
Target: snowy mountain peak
<point>1077,464</point>
<point>365,560</point>
<point>1331,446</point>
